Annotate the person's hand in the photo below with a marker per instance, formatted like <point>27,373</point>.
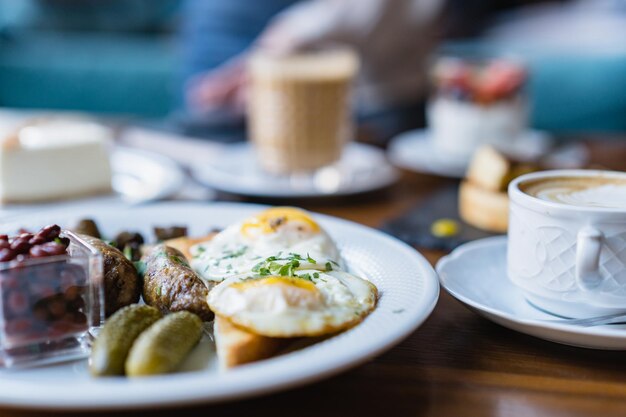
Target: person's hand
<point>223,88</point>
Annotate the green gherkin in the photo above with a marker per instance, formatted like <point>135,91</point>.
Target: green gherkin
<point>162,347</point>
<point>111,348</point>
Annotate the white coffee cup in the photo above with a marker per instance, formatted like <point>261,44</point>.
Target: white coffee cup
<point>567,247</point>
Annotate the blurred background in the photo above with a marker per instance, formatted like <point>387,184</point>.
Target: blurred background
<point>178,61</point>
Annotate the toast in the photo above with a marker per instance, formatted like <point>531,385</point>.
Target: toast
<point>489,169</point>
<point>236,346</point>
<point>483,200</point>
<point>482,208</point>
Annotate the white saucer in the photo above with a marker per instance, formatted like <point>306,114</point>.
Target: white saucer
<point>138,176</point>
<point>234,169</point>
<point>416,151</point>
<point>475,274</point>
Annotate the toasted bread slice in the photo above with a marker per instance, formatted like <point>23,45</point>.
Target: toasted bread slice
<point>185,243</point>
<point>236,346</point>
<point>484,209</point>
<point>489,169</point>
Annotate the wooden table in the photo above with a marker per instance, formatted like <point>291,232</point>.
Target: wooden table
<point>457,363</point>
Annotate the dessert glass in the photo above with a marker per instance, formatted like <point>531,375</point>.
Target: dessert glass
<point>477,102</point>
<point>50,307</point>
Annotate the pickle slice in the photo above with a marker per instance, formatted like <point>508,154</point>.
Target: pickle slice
<point>112,345</point>
<point>162,347</point>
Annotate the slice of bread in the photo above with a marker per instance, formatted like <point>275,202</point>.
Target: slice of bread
<point>483,208</point>
<point>489,169</point>
<point>236,346</point>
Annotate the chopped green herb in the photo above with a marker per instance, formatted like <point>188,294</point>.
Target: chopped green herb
<point>316,275</point>
<point>228,254</point>
<point>310,260</point>
<point>305,276</point>
<point>177,259</point>
<point>329,266</point>
<point>158,291</point>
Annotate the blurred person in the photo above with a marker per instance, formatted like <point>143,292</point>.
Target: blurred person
<point>392,37</point>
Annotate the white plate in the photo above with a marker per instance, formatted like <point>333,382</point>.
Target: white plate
<point>234,169</point>
<point>138,176</point>
<point>475,274</point>
<point>416,151</point>
<point>408,293</point>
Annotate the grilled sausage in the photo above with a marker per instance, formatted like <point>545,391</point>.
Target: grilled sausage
<point>171,285</point>
<point>121,283</point>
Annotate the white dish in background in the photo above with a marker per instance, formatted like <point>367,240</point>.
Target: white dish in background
<point>234,169</point>
<point>408,293</point>
<point>475,274</point>
<point>416,151</point>
<point>138,176</point>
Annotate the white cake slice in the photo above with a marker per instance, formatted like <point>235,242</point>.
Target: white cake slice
<point>55,159</point>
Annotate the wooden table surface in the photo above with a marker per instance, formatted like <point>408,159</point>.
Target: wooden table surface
<point>456,363</point>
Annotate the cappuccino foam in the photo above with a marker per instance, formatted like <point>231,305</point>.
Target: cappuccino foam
<point>605,192</point>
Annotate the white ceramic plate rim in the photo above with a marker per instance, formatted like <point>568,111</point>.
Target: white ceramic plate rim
<point>465,250</point>
<point>286,371</point>
<point>441,164</point>
<point>213,177</point>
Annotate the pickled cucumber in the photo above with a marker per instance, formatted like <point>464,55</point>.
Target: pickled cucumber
<point>112,345</point>
<point>162,347</point>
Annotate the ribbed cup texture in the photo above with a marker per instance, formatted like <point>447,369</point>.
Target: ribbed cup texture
<point>298,124</point>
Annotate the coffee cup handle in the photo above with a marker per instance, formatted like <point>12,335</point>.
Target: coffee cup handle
<point>588,248</point>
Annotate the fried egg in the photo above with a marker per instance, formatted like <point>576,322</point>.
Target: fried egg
<point>310,302</point>
<point>278,231</point>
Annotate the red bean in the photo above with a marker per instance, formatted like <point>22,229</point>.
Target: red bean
<point>17,302</point>
<point>7,254</point>
<point>37,240</point>
<point>47,249</point>
<point>4,244</point>
<point>4,237</point>
<point>51,232</point>
<point>21,245</point>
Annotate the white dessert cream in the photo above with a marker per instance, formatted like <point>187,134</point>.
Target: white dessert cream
<point>604,192</point>
<point>55,159</point>
<point>461,127</point>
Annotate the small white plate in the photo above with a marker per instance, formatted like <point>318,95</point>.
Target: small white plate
<point>475,274</point>
<point>141,176</point>
<point>234,169</point>
<point>407,285</point>
<point>138,176</point>
<point>416,151</point>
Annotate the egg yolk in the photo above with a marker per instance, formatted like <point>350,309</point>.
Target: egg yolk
<point>271,219</point>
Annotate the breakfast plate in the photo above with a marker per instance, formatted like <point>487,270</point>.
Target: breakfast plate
<point>138,176</point>
<point>407,286</point>
<point>475,274</point>
<point>416,151</point>
<point>362,168</point>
